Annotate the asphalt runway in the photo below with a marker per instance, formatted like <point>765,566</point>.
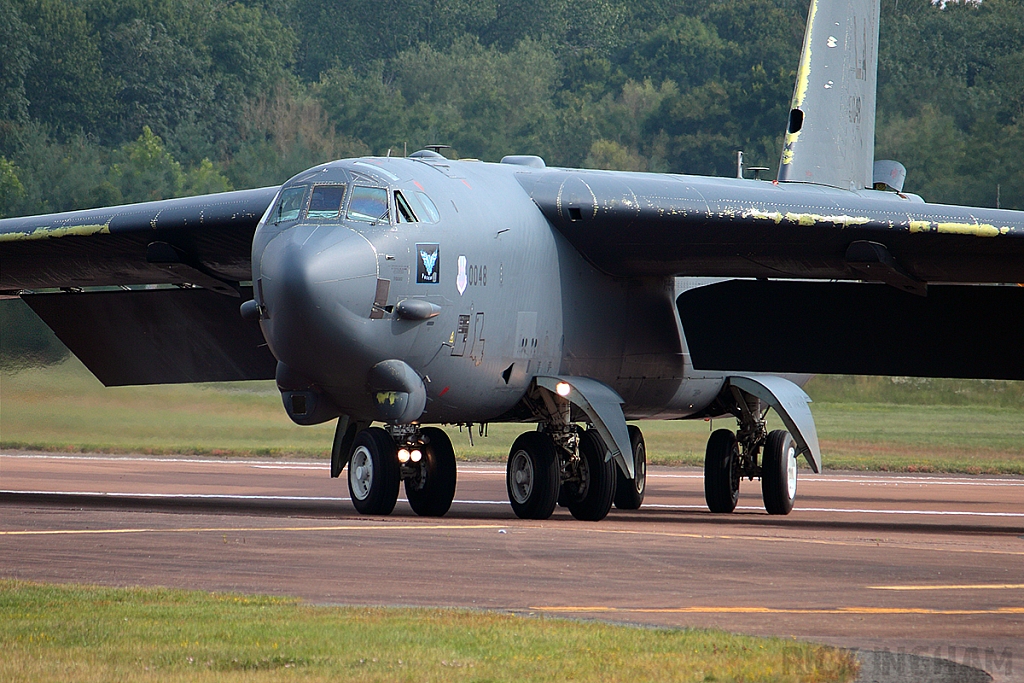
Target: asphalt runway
<point>917,564</point>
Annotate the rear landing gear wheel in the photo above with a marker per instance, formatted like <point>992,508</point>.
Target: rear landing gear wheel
<point>374,472</point>
<point>532,476</point>
<point>431,493</point>
<point>722,472</point>
<point>590,498</point>
<point>778,473</point>
<point>629,494</point>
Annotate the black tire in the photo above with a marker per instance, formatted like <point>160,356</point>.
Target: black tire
<point>590,499</point>
<point>431,494</point>
<point>532,477</point>
<point>374,472</point>
<point>778,473</point>
<point>721,471</point>
<point>564,495</point>
<point>629,493</point>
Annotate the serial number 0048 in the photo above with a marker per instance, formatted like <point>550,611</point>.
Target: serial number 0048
<point>476,275</point>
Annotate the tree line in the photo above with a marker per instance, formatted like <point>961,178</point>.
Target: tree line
<point>112,101</point>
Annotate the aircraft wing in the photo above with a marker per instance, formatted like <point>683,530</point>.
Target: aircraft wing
<point>125,245</point>
<point>640,224</point>
<point>189,333</point>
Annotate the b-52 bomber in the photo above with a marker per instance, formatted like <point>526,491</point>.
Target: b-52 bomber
<point>419,291</point>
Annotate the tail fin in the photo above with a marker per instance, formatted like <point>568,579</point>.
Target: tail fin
<point>831,134</point>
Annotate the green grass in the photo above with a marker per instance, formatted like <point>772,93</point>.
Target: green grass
<point>102,634</point>
<point>870,423</point>
<point>63,407</point>
<point>916,391</point>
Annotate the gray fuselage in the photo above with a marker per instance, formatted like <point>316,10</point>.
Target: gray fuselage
<point>516,299</point>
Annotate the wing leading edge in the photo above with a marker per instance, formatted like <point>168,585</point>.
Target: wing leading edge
<point>210,235</point>
<point>638,224</point>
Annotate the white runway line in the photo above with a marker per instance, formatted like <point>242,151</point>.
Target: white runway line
<point>146,458</point>
<point>176,496</point>
<point>318,468</point>
<point>850,511</point>
<point>471,468</point>
<point>897,479</point>
<point>222,496</point>
<point>646,506</point>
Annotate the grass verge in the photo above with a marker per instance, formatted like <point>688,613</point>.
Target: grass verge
<point>101,634</point>
<point>970,427</point>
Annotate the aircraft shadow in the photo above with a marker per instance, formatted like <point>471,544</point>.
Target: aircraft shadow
<point>317,509</point>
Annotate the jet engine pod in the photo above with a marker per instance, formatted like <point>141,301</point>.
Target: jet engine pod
<point>397,391</point>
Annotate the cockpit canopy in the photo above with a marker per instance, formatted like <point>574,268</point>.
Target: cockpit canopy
<point>356,200</point>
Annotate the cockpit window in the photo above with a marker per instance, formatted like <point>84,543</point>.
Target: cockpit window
<point>424,208</point>
<point>404,211</point>
<point>325,202</point>
<point>289,205</point>
<point>368,204</point>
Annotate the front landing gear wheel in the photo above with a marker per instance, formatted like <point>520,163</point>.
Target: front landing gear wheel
<point>722,472</point>
<point>629,494</point>
<point>431,493</point>
<point>590,498</point>
<point>778,473</point>
<point>532,477</point>
<point>374,472</point>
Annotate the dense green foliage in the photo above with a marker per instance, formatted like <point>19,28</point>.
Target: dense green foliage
<point>108,101</point>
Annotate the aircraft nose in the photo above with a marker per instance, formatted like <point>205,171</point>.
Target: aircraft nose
<point>327,267</point>
<point>318,285</point>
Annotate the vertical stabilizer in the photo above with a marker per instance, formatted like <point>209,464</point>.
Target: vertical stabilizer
<point>831,134</point>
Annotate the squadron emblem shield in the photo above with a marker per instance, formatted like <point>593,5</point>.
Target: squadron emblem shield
<point>427,264</point>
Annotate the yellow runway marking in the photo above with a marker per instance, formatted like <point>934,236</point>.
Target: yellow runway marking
<point>197,530</point>
<point>780,610</point>
<point>953,587</point>
<point>790,539</point>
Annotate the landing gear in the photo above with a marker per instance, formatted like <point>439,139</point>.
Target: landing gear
<point>732,456</point>
<point>532,476</point>
<point>380,459</point>
<point>778,473</point>
<point>722,472</point>
<point>431,486</point>
<point>567,467</point>
<point>590,493</point>
<point>629,494</point>
<point>374,472</point>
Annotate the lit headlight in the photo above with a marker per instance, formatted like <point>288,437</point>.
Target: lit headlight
<point>416,455</point>
<point>403,455</point>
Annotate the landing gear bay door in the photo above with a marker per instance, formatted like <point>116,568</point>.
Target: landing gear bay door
<point>790,402</point>
<point>603,407</point>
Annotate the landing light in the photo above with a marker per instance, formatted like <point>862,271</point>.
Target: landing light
<point>403,455</point>
<point>416,455</point>
<point>563,388</point>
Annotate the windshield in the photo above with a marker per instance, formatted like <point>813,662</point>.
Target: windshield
<point>289,205</point>
<point>325,201</point>
<point>368,204</point>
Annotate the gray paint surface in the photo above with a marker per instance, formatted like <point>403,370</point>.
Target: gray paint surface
<point>831,136</point>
